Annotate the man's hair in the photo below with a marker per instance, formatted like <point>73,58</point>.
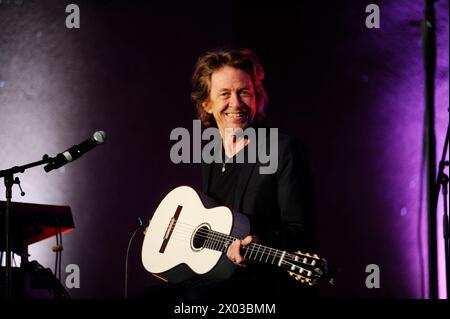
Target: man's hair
<point>211,61</point>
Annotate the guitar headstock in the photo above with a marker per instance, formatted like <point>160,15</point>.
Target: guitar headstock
<point>308,268</point>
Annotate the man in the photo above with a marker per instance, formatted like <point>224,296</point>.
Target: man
<point>229,94</point>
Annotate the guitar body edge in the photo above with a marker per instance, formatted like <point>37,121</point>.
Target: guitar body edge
<point>218,266</point>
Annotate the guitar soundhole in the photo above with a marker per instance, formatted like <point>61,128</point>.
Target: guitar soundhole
<point>200,237</point>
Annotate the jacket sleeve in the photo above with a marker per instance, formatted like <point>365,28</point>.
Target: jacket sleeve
<point>296,201</point>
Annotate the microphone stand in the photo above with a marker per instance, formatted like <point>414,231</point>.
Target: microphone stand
<point>429,55</point>
<point>442,181</point>
<point>8,176</point>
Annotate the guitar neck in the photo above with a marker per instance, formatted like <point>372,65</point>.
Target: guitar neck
<point>255,252</point>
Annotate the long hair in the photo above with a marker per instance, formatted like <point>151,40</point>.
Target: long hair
<point>211,61</point>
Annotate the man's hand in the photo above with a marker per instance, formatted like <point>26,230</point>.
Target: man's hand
<point>234,250</point>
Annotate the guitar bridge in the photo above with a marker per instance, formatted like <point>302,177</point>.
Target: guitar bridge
<point>170,228</point>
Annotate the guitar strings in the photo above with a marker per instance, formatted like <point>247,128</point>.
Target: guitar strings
<point>285,262</point>
<point>216,241</point>
<point>216,237</point>
<point>286,259</point>
<point>189,228</point>
<point>219,238</point>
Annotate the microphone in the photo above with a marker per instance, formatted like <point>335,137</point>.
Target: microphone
<point>76,151</point>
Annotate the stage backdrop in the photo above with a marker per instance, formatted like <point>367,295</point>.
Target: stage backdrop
<point>353,94</point>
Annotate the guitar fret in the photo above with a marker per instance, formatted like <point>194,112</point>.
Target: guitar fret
<point>252,251</point>
<point>252,248</point>
<point>274,256</point>
<point>257,251</point>
<point>213,240</point>
<point>227,242</point>
<point>262,254</point>
<point>208,239</point>
<point>268,255</point>
<point>217,244</point>
<point>281,258</point>
<point>222,243</point>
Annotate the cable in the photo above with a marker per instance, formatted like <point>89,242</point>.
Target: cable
<point>141,226</point>
<point>419,223</point>
<point>55,250</point>
<point>58,248</point>
<point>60,253</point>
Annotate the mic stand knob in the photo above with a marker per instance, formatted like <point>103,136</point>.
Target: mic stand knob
<point>17,181</point>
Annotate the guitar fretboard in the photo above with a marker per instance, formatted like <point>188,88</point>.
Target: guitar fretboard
<point>256,252</point>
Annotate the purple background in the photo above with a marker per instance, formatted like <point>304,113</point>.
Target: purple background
<point>354,95</point>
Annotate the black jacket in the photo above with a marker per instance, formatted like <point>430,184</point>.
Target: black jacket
<point>281,206</point>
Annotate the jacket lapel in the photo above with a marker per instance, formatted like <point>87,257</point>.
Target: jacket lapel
<point>206,174</point>
<point>244,177</point>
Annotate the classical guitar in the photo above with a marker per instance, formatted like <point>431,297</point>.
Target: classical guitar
<point>184,238</point>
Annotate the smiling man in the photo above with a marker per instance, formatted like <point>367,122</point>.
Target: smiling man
<point>228,92</point>
<point>229,95</point>
<point>280,205</point>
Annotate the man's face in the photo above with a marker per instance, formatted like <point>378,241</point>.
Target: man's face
<point>232,99</point>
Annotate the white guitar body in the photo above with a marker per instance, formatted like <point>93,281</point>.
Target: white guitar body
<point>171,248</point>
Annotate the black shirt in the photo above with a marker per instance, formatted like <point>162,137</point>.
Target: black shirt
<point>224,177</point>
